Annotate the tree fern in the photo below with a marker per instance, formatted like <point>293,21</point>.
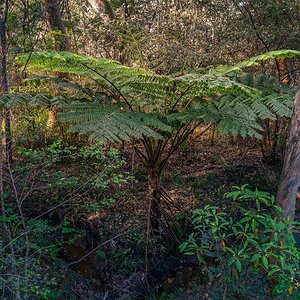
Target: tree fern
<point>244,99</point>
<point>141,87</point>
<point>151,106</point>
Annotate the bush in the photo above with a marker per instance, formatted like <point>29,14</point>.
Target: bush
<point>248,247</point>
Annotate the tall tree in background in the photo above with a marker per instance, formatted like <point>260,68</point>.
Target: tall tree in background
<point>4,78</point>
<point>6,114</point>
<point>103,6</point>
<point>290,177</point>
<point>62,41</point>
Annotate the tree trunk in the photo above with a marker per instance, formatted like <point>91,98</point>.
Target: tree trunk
<point>104,6</point>
<point>5,114</point>
<point>56,24</point>
<point>290,176</point>
<point>62,43</point>
<point>154,204</point>
<point>4,88</point>
<point>52,119</point>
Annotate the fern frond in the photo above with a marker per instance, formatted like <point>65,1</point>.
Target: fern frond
<point>238,115</point>
<point>112,124</point>
<point>14,99</point>
<point>141,87</point>
<point>42,100</point>
<point>61,82</point>
<point>229,119</point>
<point>256,60</point>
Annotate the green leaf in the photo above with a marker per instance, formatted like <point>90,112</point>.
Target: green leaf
<point>183,246</point>
<point>265,262</point>
<point>255,257</point>
<point>238,265</point>
<point>273,271</point>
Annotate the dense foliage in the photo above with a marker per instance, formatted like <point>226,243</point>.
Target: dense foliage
<point>249,244</point>
<point>122,126</point>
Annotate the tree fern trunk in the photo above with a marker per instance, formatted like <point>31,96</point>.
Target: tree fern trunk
<point>51,119</point>
<point>154,204</point>
<point>290,176</point>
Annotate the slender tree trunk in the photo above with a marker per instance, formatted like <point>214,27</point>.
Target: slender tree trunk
<point>4,87</point>
<point>8,139</point>
<point>6,226</point>
<point>154,204</point>
<point>5,114</point>
<point>290,176</point>
<point>1,180</point>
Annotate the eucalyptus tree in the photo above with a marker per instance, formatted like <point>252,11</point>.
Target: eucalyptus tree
<point>54,16</point>
<point>290,176</point>
<point>103,6</point>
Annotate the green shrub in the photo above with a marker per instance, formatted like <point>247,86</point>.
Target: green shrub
<point>252,244</point>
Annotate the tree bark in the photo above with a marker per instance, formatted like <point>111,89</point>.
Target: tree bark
<point>56,24</point>
<point>62,43</point>
<point>5,114</point>
<point>4,85</point>
<point>290,176</point>
<point>104,6</point>
<point>154,204</point>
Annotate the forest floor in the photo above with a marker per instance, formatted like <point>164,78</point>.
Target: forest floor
<point>199,174</point>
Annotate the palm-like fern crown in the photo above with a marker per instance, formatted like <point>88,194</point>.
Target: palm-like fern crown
<point>151,104</point>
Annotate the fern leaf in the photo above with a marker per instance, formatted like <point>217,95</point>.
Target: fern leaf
<point>110,123</point>
<point>254,61</point>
